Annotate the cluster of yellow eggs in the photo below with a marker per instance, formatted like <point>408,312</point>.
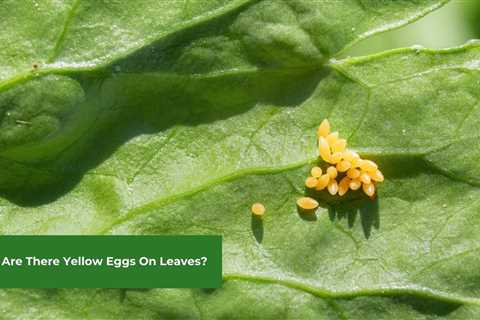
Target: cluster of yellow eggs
<point>346,165</point>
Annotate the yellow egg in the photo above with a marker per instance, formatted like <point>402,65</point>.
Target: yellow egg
<point>339,145</point>
<point>332,172</point>
<point>323,129</point>
<point>332,187</point>
<point>324,149</point>
<point>311,182</point>
<point>343,186</point>
<point>355,184</point>
<point>353,173</point>
<point>316,172</point>
<point>369,189</point>
<point>349,155</point>
<point>258,209</point>
<point>332,138</point>
<point>376,175</point>
<point>336,157</point>
<point>307,203</point>
<point>365,178</point>
<point>343,166</point>
<point>368,165</point>
<point>323,182</point>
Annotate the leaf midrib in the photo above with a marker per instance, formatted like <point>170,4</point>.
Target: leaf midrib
<point>62,68</point>
<point>59,68</point>
<point>337,65</point>
<point>415,291</point>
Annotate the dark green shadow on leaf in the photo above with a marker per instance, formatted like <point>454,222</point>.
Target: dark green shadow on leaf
<point>257,228</point>
<point>364,207</point>
<point>171,82</point>
<point>429,307</point>
<point>307,215</point>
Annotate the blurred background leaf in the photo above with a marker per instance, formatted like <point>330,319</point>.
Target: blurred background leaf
<point>452,25</point>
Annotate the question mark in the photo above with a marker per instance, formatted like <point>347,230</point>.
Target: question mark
<point>204,260</point>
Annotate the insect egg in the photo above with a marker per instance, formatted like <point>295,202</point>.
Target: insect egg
<point>355,184</point>
<point>356,163</point>
<point>339,145</point>
<point>376,175</point>
<point>348,155</point>
<point>324,149</point>
<point>258,209</point>
<point>323,129</point>
<point>332,172</point>
<point>307,203</point>
<point>332,187</point>
<point>365,178</point>
<point>343,166</point>
<point>355,155</point>
<point>343,186</point>
<point>336,157</point>
<point>323,182</point>
<point>369,189</point>
<point>332,138</point>
<point>311,182</point>
<point>316,172</point>
<point>353,173</point>
<point>368,165</point>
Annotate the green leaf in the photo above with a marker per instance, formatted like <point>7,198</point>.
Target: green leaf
<point>174,117</point>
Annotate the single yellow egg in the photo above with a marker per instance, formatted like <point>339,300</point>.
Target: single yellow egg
<point>376,175</point>
<point>365,178</point>
<point>258,209</point>
<point>332,187</point>
<point>311,182</point>
<point>307,203</point>
<point>368,165</point>
<point>353,173</point>
<point>323,129</point>
<point>355,184</point>
<point>322,182</point>
<point>356,163</point>
<point>324,149</point>
<point>343,186</point>
<point>332,172</point>
<point>343,166</point>
<point>336,157</point>
<point>332,138</point>
<point>339,145</point>
<point>316,172</point>
<point>349,155</point>
<point>369,189</point>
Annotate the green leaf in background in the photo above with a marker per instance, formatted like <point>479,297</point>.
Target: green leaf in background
<point>173,117</point>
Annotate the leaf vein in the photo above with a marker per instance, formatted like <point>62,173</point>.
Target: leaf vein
<point>407,290</point>
<point>61,38</point>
